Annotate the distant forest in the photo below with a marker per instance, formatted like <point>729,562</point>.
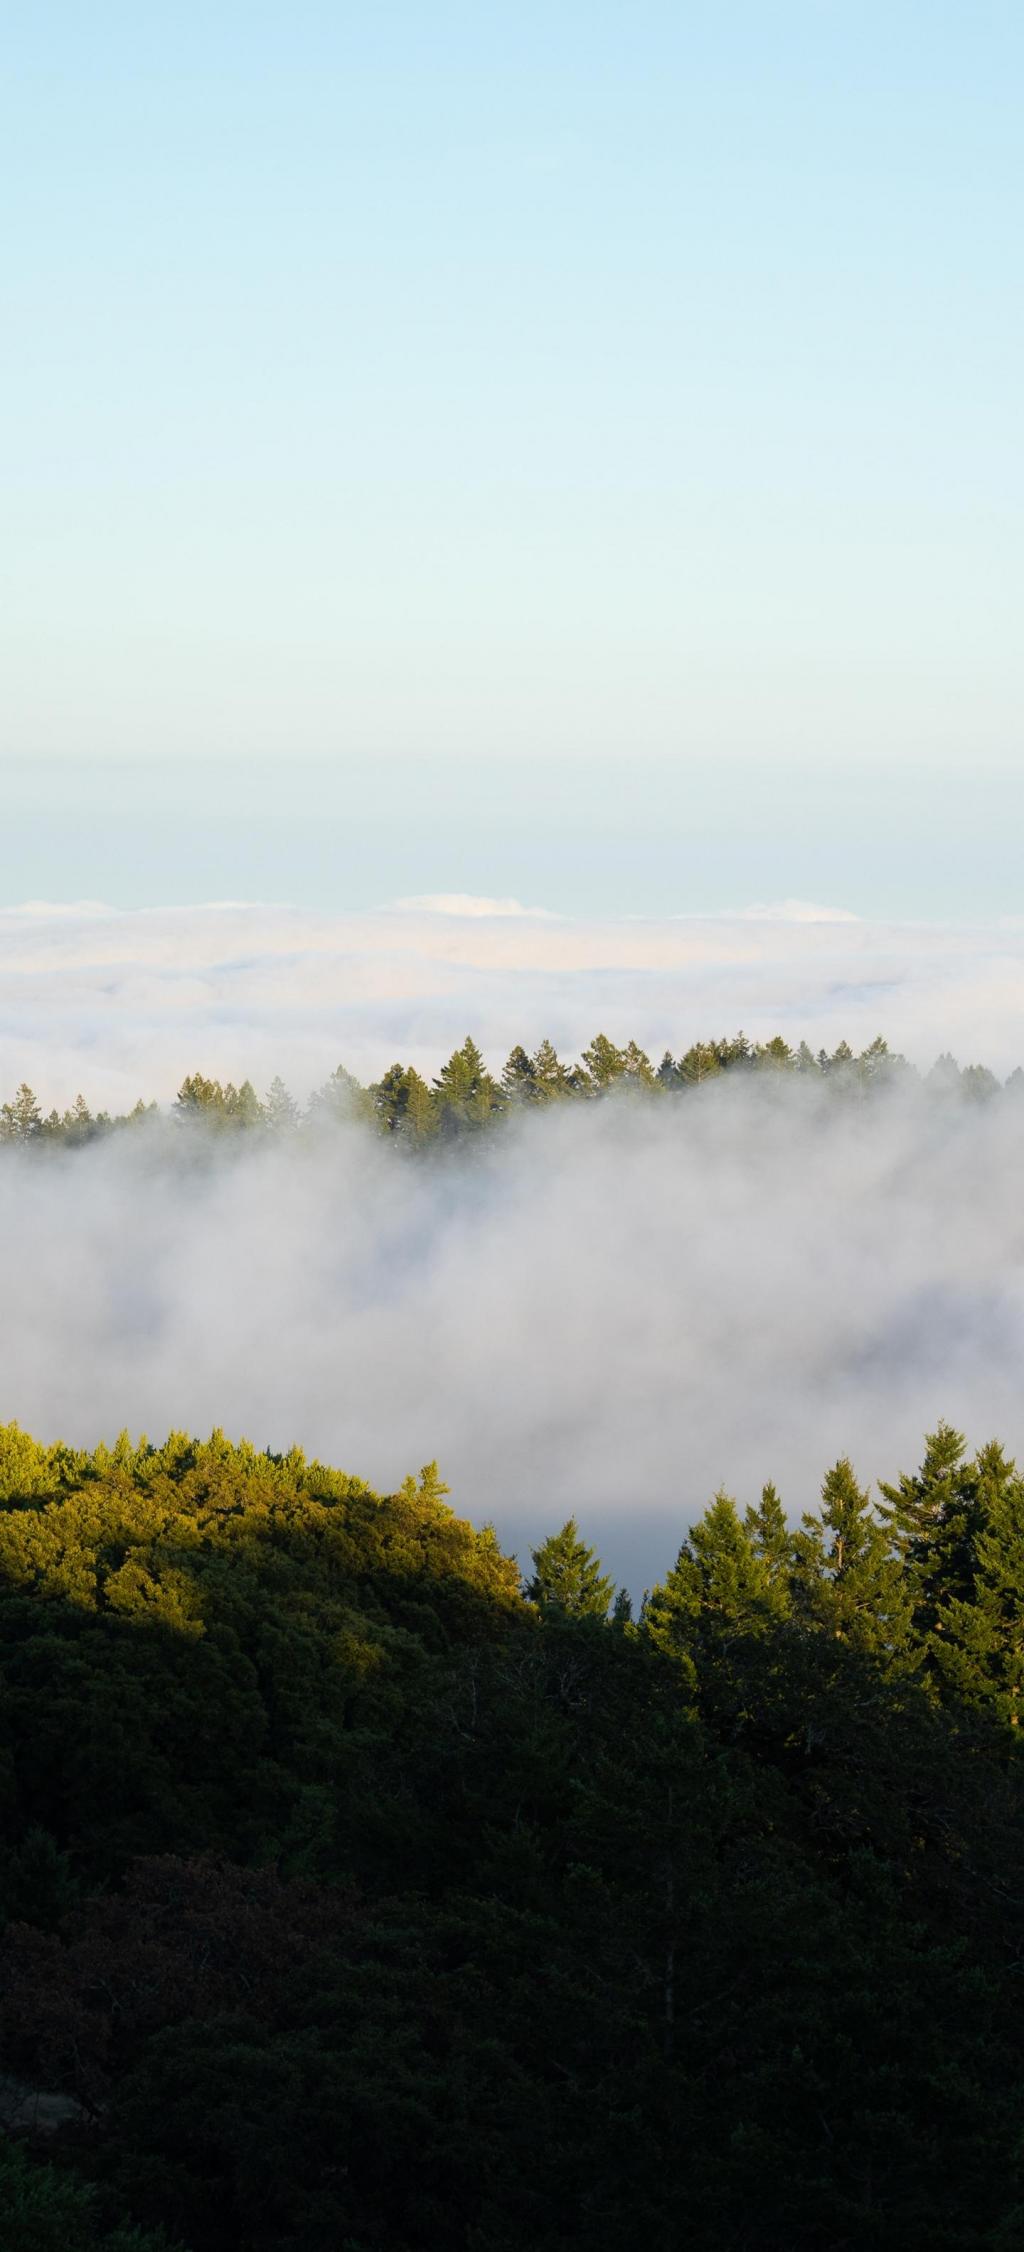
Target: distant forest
<point>466,1096</point>
<point>360,1893</point>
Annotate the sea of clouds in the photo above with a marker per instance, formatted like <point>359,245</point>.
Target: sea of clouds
<point>123,1003</point>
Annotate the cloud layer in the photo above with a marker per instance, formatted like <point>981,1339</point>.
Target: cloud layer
<point>124,1003</point>
<point>609,1309</point>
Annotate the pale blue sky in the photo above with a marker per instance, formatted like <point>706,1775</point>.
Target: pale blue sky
<point>637,385</point>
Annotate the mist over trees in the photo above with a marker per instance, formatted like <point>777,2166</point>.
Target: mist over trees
<point>465,1096</point>
<point>359,1889</point>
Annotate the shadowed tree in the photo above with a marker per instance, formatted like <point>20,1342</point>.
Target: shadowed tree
<point>978,1639</point>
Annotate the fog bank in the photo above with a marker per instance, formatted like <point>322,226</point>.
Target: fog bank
<point>610,1309</point>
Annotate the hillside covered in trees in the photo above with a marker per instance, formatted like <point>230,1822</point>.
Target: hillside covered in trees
<point>361,1892</point>
<point>466,1096</point>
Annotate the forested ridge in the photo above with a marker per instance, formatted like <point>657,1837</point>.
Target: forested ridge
<point>465,1095</point>
<point>361,1894</point>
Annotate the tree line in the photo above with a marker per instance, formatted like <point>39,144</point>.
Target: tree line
<point>465,1095</point>
<point>361,1891</point>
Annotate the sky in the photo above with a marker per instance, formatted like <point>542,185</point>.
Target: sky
<point>570,452</point>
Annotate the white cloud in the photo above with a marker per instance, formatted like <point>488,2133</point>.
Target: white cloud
<point>464,903</point>
<point>796,911</point>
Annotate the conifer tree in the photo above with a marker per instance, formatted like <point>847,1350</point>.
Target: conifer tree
<point>567,1576</point>
<point>772,1542</point>
<point>242,1105</point>
<point>465,1092</point>
<point>775,1055</point>
<point>718,1586</point>
<point>21,1120</point>
<point>846,1580</point>
<point>403,1104</point>
<point>637,1068</point>
<point>699,1063</point>
<point>932,1520</point>
<point>550,1075</point>
<point>979,1640</point>
<point>341,1100</point>
<point>603,1063</point>
<point>200,1098</point>
<point>519,1078</point>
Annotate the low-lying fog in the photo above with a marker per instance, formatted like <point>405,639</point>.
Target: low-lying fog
<point>610,1309</point>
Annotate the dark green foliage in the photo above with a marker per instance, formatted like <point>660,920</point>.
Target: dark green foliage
<point>43,2210</point>
<point>355,1903</point>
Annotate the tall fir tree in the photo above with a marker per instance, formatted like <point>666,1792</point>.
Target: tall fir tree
<point>719,1586</point>
<point>465,1093</point>
<point>568,1578</point>
<point>551,1078</point>
<point>602,1064</point>
<point>772,1542</point>
<point>932,1520</point>
<point>847,1582</point>
<point>977,1640</point>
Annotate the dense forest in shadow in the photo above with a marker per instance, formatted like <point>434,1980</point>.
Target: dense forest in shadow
<point>466,1096</point>
<point>359,1895</point>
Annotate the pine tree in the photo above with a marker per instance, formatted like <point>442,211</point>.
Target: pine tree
<point>637,1068</point>
<point>719,1586</point>
<point>402,1103</point>
<point>567,1576</point>
<point>280,1111</point>
<point>979,1641</point>
<point>775,1055</point>
<point>464,1090</point>
<point>772,1542</point>
<point>21,1120</point>
<point>932,1520</point>
<point>519,1078</point>
<point>603,1064</point>
<point>550,1075</point>
<point>200,1099</point>
<point>342,1100</point>
<point>699,1063</point>
<point>242,1105</point>
<point>846,1580</point>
